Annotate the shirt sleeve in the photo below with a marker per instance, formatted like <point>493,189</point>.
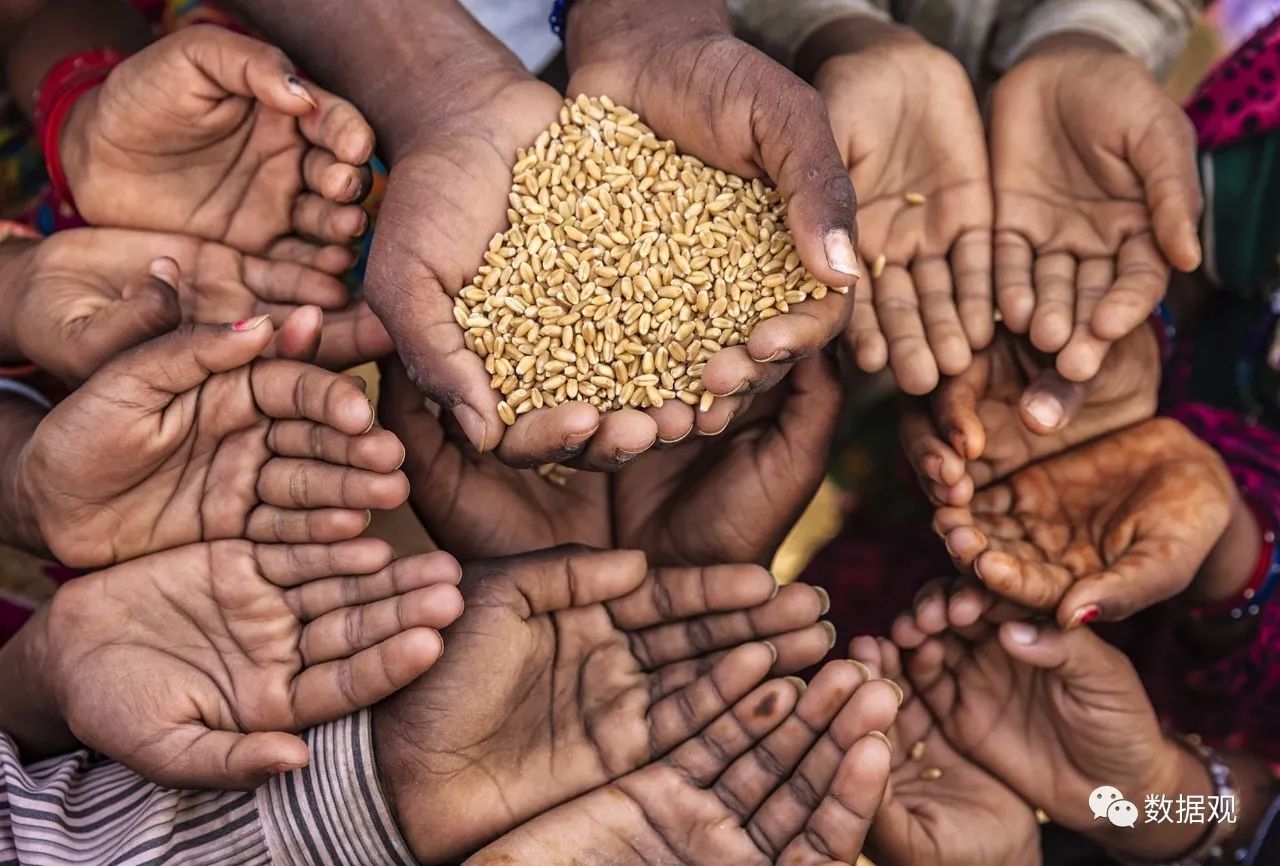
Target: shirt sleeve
<point>781,27</point>
<point>1154,31</point>
<point>82,810</point>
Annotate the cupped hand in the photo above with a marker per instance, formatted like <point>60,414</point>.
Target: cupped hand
<point>680,68</point>
<point>941,808</point>
<point>1096,195</point>
<point>210,133</point>
<point>192,437</point>
<point>788,775</point>
<point>569,669</point>
<point>1099,532</point>
<point>189,666</point>
<point>907,124</point>
<point>1011,407</point>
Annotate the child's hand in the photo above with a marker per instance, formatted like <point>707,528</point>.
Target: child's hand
<point>941,808</point>
<point>189,438</point>
<point>1096,195</point>
<point>188,666</point>
<point>906,122</point>
<point>1099,532</point>
<point>210,133</point>
<point>82,296</point>
<point>1011,408</point>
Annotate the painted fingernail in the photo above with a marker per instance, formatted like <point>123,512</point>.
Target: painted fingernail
<point>830,629</point>
<point>472,424</point>
<point>1023,633</point>
<point>295,86</point>
<point>840,254</point>
<point>1084,616</point>
<point>824,600</point>
<point>250,324</point>
<point>897,688</point>
<point>1046,410</point>
<point>801,685</point>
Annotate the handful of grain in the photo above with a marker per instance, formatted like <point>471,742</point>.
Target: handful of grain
<point>626,267</point>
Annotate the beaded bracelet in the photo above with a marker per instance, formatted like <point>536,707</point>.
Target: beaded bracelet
<point>559,14</point>
<point>1263,581</point>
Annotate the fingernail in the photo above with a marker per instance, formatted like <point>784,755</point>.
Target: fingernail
<point>862,669</point>
<point>877,735</point>
<point>296,87</point>
<point>250,324</point>
<point>472,424</point>
<point>1084,616</point>
<point>824,600</point>
<point>165,270</point>
<point>1046,410</point>
<point>778,356</point>
<point>840,254</point>
<point>279,769</point>
<point>777,587</point>
<point>831,633</point>
<point>727,421</point>
<point>897,688</point>
<point>773,651</point>
<point>1023,633</point>
<point>373,418</point>
<point>800,684</point>
<point>352,187</point>
<point>743,387</point>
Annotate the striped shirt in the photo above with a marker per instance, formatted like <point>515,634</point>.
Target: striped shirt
<point>987,36</point>
<point>83,810</point>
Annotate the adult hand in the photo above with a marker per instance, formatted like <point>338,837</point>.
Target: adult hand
<point>569,669</point>
<point>1096,196</point>
<point>1099,532</point>
<point>677,64</point>
<point>941,808</point>
<point>82,296</point>
<point>188,666</point>
<point>210,133</point>
<point>907,124</point>
<point>1011,407</point>
<point>775,780</point>
<point>189,438</point>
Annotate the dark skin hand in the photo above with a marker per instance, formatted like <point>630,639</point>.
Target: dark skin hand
<point>569,669</point>
<point>789,775</point>
<point>757,478</point>
<point>1096,193</point>
<point>966,816</point>
<point>193,666</point>
<point>192,437</point>
<point>1011,407</point>
<point>1099,532</point>
<point>906,121</point>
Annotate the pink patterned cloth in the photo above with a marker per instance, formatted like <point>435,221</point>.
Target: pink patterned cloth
<point>1241,97</point>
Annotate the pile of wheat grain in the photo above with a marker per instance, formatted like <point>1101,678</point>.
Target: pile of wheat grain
<point>627,265</point>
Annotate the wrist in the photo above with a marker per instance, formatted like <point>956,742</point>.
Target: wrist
<point>19,521</point>
<point>850,35</point>
<point>31,713</point>
<point>1064,44</point>
<point>1230,565</point>
<point>605,30</point>
<point>393,771</point>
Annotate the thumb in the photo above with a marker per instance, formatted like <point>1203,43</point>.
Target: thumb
<point>219,760</point>
<point>1051,401</point>
<point>245,66</point>
<point>1078,655</point>
<point>148,307</point>
<point>567,577</point>
<point>1148,572</point>
<point>298,338</point>
<point>1165,159</point>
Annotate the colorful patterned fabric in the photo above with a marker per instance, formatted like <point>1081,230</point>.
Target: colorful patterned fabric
<point>1242,96</point>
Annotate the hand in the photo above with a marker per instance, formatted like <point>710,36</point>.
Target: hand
<point>965,816</point>
<point>677,64</point>
<point>188,666</point>
<point>189,438</point>
<point>1055,715</point>
<point>773,780</point>
<point>1096,195</point>
<point>1099,532</point>
<point>80,297</point>
<point>568,670</point>
<point>1012,408</point>
<point>906,121</point>
<point>209,133</point>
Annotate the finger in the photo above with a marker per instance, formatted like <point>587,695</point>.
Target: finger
<point>290,283</point>
<point>955,406</point>
<point>293,565</point>
<point>377,451</point>
<point>1036,585</point>
<point>677,717</point>
<point>335,689</point>
<point>326,221</point>
<point>316,597</point>
<point>1147,572</point>
<point>1081,658</point>
<point>292,390</point>
<point>732,371</point>
<point>351,337</point>
<point>898,310</point>
<point>337,181</point>
<point>946,336</point>
<point>837,829</point>
<point>330,259</point>
<point>566,578</point>
<point>674,421</point>
<point>1055,285</point>
<point>221,760</point>
<point>287,482</point>
<point>970,259</point>
<point>1142,275</point>
<point>793,651</point>
<point>553,435</point>
<point>1050,402</point>
<point>864,337</point>
<point>622,436</point>
<point>800,332</point>
<point>965,544</point>
<point>273,525</point>
<point>338,127</point>
<point>298,338</point>
<point>342,633</point>
<point>1084,351</point>
<point>1015,297</point>
<point>246,67</point>
<point>669,594</point>
<point>934,461</point>
<point>1165,159</point>
<point>716,419</point>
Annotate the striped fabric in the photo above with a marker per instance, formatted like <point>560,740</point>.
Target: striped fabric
<point>82,810</point>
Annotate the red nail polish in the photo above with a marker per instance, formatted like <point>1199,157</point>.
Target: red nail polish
<point>1087,615</point>
<point>249,324</point>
